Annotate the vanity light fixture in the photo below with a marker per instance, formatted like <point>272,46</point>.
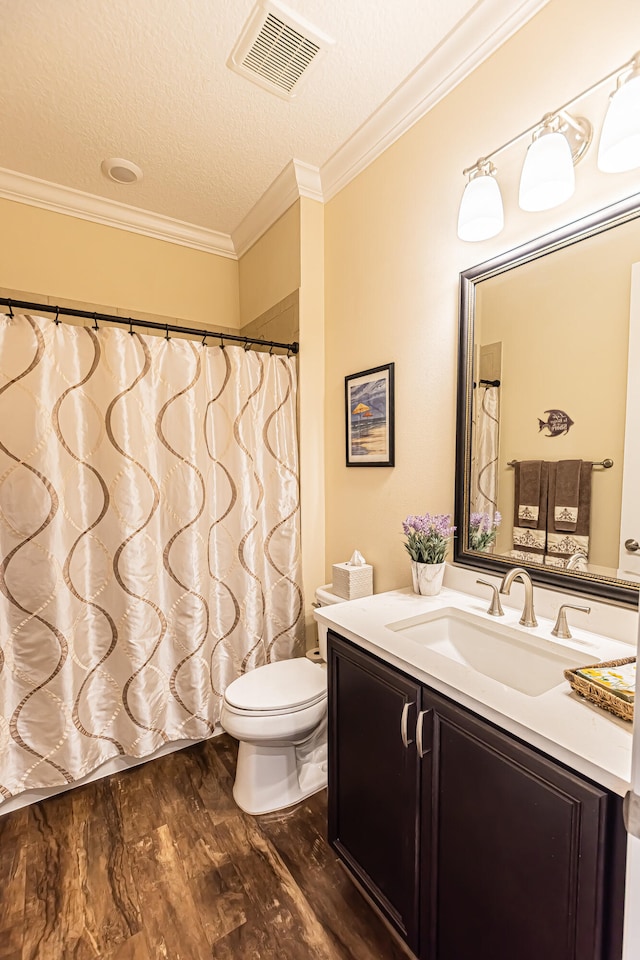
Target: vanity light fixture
<point>619,148</point>
<point>548,177</point>
<point>481,212</point>
<point>558,142</point>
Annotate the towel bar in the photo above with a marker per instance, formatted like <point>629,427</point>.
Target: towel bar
<point>601,463</point>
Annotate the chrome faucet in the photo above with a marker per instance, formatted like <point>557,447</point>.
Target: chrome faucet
<point>495,609</point>
<point>528,618</point>
<point>561,628</point>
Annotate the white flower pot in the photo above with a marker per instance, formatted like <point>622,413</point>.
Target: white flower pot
<point>427,578</point>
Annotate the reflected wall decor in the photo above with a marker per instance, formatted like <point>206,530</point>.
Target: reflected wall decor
<point>369,411</point>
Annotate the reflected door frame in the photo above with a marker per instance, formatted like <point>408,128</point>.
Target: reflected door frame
<point>629,561</point>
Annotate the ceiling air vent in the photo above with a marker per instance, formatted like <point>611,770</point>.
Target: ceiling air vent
<point>277,48</point>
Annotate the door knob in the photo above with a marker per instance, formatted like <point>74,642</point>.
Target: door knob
<point>632,545</point>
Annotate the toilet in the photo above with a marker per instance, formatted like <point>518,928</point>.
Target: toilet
<point>278,712</point>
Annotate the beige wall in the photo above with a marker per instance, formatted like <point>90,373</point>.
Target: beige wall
<point>280,322</point>
<point>290,257</point>
<point>312,421</point>
<point>270,270</point>
<point>392,263</point>
<point>563,322</point>
<point>67,259</point>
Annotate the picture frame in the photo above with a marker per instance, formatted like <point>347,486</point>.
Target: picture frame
<point>369,417</point>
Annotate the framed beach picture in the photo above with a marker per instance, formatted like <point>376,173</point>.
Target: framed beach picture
<point>369,410</point>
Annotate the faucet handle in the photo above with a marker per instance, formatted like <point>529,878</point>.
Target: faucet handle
<point>495,610</point>
<point>561,628</point>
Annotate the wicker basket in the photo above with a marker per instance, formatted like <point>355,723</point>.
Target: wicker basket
<point>607,699</point>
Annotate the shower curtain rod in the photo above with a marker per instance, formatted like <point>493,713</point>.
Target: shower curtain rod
<point>487,383</point>
<point>291,348</point>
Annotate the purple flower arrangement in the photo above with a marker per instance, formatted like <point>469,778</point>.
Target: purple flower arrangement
<point>483,530</point>
<point>428,537</point>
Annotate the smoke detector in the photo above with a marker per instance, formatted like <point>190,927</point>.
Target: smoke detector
<point>277,49</point>
<point>121,171</point>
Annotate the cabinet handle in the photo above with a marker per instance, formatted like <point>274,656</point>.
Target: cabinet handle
<point>420,734</point>
<point>404,724</point>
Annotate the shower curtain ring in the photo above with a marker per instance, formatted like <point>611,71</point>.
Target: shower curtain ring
<point>222,343</point>
<point>10,310</point>
<point>167,337</point>
<point>271,350</point>
<point>130,326</point>
<point>95,322</point>
<point>204,340</point>
<point>247,346</point>
<point>56,319</point>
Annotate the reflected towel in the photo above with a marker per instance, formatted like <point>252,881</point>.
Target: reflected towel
<point>566,495</point>
<point>531,482</point>
<point>562,543</point>
<point>528,490</point>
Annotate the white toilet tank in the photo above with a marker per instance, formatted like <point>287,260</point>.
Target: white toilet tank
<point>325,597</point>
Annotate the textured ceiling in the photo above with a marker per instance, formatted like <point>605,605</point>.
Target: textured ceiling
<point>82,80</point>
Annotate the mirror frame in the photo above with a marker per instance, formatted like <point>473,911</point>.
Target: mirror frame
<point>612,590</point>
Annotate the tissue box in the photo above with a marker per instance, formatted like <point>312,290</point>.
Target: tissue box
<point>352,582</point>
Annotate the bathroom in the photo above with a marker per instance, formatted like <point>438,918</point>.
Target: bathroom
<point>371,271</point>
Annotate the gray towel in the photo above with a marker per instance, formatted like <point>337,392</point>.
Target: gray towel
<point>562,543</point>
<point>528,498</point>
<point>566,495</point>
<point>529,535</point>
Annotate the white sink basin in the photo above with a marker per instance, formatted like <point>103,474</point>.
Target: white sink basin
<point>512,656</point>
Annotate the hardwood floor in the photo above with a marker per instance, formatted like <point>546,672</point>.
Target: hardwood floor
<point>158,862</point>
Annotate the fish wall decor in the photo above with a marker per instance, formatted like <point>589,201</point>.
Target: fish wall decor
<point>558,423</point>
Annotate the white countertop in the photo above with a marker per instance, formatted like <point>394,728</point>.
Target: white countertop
<point>558,722</point>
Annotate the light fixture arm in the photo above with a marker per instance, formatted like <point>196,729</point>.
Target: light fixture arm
<point>572,121</point>
<point>483,167</point>
<point>629,71</point>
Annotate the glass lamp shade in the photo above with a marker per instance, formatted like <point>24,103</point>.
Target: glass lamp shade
<point>481,215</point>
<point>548,177</point>
<point>619,148</point>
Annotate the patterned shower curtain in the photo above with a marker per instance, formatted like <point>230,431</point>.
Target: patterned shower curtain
<point>484,465</point>
<point>149,540</point>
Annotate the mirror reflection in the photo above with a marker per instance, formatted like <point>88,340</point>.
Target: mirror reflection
<point>552,473</point>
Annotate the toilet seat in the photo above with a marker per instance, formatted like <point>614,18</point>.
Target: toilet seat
<point>287,686</point>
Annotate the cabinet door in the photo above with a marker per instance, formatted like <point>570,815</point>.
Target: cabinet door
<point>514,862</point>
<point>374,780</point>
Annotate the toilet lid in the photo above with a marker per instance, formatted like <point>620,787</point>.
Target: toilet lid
<point>278,686</point>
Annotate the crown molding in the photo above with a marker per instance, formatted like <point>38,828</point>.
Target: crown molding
<point>447,66</point>
<point>111,213</point>
<point>296,180</point>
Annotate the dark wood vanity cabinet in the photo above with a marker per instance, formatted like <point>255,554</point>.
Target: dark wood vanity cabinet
<point>480,849</point>
<point>516,851</point>
<point>374,793</point>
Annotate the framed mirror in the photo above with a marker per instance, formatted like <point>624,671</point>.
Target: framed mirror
<point>548,416</point>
